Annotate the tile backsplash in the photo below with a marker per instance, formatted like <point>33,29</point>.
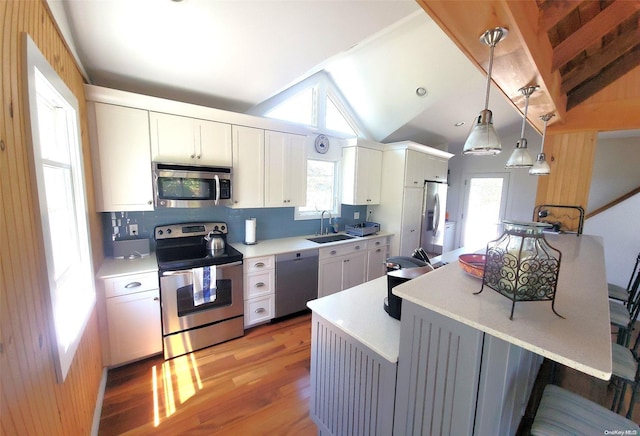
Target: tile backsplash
<point>272,223</point>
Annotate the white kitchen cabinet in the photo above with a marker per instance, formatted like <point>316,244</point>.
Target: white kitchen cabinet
<point>361,175</point>
<point>449,237</point>
<point>178,139</point>
<point>133,323</point>
<point>285,170</point>
<point>406,166</point>
<point>259,290</point>
<point>248,167</point>
<point>377,254</point>
<point>121,157</point>
<point>341,267</point>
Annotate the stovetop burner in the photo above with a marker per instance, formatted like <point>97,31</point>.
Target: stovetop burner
<point>182,246</point>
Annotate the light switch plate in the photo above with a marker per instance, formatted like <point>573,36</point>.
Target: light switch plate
<point>356,215</point>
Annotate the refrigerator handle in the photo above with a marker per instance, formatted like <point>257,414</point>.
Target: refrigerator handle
<point>436,218</point>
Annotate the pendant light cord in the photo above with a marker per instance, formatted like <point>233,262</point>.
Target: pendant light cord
<point>524,119</point>
<point>486,99</point>
<point>545,118</point>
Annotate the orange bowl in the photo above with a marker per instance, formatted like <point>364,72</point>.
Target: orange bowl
<point>473,264</point>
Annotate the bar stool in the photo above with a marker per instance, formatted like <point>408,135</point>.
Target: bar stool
<point>624,317</point>
<point>624,294</point>
<point>564,413</point>
<point>625,372</point>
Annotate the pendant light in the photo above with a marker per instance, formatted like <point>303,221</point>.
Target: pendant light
<point>483,139</point>
<point>541,167</point>
<point>521,158</point>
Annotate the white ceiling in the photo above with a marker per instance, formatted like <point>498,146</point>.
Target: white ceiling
<point>235,54</point>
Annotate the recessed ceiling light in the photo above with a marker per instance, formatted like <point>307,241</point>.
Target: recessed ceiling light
<point>421,91</point>
<point>459,123</point>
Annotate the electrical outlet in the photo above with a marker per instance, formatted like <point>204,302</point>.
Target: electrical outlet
<point>356,215</point>
<point>133,229</point>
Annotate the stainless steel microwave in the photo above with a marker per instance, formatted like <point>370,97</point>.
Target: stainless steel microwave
<point>190,186</point>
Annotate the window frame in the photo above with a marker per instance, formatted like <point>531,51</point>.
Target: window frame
<point>337,180</point>
<point>80,281</point>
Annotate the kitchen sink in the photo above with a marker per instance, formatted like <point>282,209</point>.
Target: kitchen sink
<point>330,238</point>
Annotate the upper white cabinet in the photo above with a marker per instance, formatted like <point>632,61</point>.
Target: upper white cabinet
<point>285,170</point>
<point>361,175</point>
<point>122,160</point>
<point>248,167</point>
<point>421,166</point>
<point>178,139</point>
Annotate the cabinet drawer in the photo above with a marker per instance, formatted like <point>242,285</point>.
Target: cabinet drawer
<point>130,284</point>
<point>257,284</point>
<point>377,242</point>
<point>339,250</point>
<point>259,310</point>
<point>255,264</point>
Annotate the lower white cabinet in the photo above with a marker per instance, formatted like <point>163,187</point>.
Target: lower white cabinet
<point>132,321</point>
<point>259,290</point>
<point>377,254</point>
<point>341,267</point>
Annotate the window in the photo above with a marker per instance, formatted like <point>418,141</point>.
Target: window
<point>300,108</point>
<point>336,120</point>
<point>57,158</point>
<point>322,190</point>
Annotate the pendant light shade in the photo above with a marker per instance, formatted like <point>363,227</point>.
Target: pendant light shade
<point>541,167</point>
<point>483,139</point>
<point>520,158</point>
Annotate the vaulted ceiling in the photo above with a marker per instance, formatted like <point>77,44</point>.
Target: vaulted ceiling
<point>571,48</point>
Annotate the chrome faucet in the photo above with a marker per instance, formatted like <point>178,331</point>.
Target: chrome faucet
<point>322,221</point>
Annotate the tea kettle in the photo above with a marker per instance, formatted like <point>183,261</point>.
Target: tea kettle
<point>215,242</point>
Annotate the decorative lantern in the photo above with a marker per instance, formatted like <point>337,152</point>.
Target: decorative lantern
<point>521,265</point>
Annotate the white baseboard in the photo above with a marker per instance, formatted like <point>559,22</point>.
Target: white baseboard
<point>95,426</point>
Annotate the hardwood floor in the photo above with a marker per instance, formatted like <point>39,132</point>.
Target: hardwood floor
<point>254,385</point>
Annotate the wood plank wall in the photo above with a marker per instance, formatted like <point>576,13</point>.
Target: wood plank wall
<point>32,402</point>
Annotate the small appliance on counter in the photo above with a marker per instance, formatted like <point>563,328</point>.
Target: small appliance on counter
<point>363,229</point>
<point>395,277</point>
<point>130,248</point>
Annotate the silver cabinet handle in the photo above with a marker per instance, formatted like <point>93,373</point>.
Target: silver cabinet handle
<point>333,252</point>
<point>156,299</point>
<point>259,284</point>
<point>132,285</point>
<point>259,265</point>
<point>260,310</point>
<point>378,242</point>
<point>357,247</point>
<point>378,250</point>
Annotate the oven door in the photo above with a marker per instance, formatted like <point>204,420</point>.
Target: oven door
<point>179,310</point>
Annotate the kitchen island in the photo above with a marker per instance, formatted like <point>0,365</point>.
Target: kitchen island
<point>463,367</point>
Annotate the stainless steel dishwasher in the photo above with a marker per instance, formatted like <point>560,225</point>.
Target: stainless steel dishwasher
<point>296,281</point>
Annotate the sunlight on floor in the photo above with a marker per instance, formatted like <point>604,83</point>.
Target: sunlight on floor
<point>184,370</point>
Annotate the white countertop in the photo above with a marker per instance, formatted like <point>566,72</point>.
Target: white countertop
<point>287,245</point>
<point>581,341</point>
<point>359,312</point>
<point>119,267</point>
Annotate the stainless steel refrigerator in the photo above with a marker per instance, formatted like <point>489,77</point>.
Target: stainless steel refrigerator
<point>434,204</point>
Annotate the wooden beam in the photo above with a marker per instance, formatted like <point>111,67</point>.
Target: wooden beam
<point>592,31</point>
<point>523,58</point>
<point>596,62</point>
<point>609,75</point>
<point>552,12</point>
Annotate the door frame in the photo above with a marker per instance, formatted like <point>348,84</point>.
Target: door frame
<point>466,178</point>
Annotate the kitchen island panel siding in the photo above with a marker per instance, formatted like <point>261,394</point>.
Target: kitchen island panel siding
<point>353,388</point>
<point>438,374</point>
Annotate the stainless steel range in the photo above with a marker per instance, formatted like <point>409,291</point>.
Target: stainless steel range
<point>200,290</point>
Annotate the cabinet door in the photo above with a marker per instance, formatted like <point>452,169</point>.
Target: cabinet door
<point>248,167</point>
<point>134,326</point>
<point>285,170</point>
<point>374,175</point>
<point>376,258</point>
<point>123,169</point>
<point>330,276</point>
<point>411,220</point>
<point>414,169</point>
<point>354,271</point>
<point>173,138</point>
<point>436,168</point>
<point>361,175</point>
<point>215,143</point>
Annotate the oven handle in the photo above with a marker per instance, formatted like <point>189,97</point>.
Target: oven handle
<point>188,271</point>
